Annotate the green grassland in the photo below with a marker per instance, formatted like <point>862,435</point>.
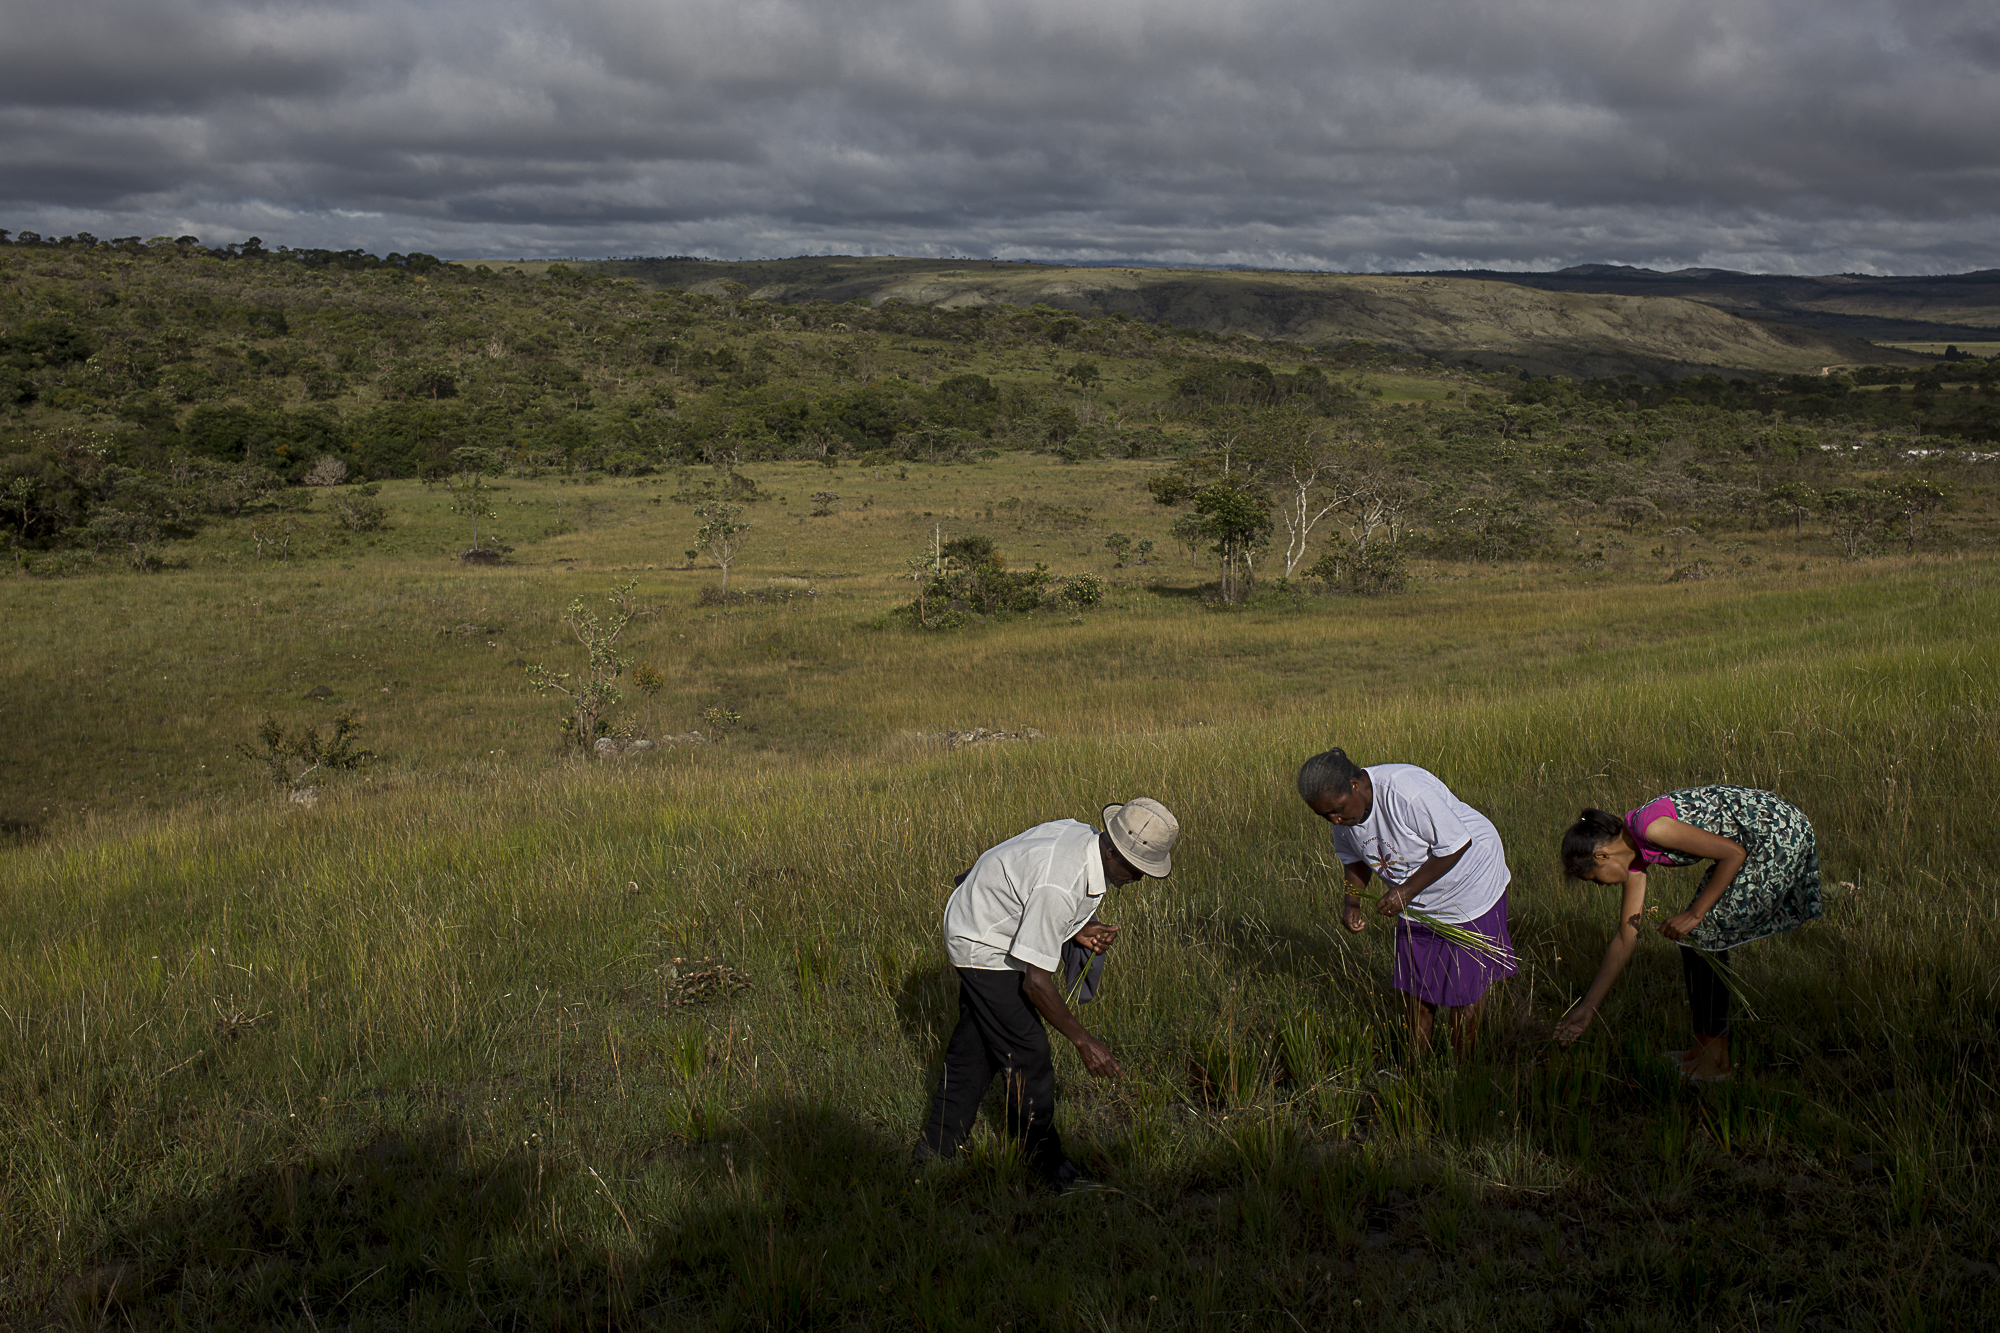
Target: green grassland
<point>461,1043</point>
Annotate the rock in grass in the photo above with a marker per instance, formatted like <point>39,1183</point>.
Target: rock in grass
<point>701,981</point>
<point>610,747</point>
<point>956,740</point>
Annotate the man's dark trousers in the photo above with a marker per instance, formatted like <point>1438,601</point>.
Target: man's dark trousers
<point>998,1032</point>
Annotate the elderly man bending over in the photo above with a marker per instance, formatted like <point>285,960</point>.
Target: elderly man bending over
<point>1004,931</point>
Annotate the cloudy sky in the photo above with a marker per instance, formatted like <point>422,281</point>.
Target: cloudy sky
<point>1777,135</point>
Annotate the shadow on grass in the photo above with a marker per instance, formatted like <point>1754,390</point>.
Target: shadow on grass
<point>20,832</point>
<point>927,1010</point>
<point>801,1214</point>
<point>1182,592</point>
<point>797,1214</point>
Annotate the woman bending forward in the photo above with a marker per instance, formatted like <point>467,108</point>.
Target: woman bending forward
<point>1765,880</point>
<point>1439,857</point>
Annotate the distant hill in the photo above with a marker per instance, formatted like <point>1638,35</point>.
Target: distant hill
<point>1482,319</point>
<point>1962,307</point>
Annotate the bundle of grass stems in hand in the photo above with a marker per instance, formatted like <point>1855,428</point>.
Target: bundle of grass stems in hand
<point>1485,946</point>
<point>1718,962</point>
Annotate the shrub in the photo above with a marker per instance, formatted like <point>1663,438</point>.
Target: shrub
<point>1492,530</point>
<point>1369,571</point>
<point>357,513</point>
<point>591,694</point>
<point>282,751</point>
<point>327,471</point>
<point>1077,592</point>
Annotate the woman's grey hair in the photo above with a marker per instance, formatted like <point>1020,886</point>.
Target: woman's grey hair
<point>1330,773</point>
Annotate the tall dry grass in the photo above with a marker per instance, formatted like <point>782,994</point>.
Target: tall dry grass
<point>412,1057</point>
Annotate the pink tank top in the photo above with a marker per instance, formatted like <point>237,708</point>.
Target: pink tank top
<point>1637,821</point>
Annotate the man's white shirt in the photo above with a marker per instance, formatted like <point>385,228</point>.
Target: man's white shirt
<point>1025,898</point>
<point>1415,818</point>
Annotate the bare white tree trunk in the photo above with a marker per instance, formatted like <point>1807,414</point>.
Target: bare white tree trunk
<point>1365,512</point>
<point>1306,503</point>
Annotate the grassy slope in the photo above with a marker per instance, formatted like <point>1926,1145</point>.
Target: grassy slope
<point>132,706</point>
<point>1487,322</point>
<point>410,1058</point>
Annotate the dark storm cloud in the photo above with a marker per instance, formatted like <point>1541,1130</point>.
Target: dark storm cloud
<point>1774,134</point>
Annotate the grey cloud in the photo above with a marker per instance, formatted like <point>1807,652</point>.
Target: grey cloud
<point>190,53</point>
<point>1779,134</point>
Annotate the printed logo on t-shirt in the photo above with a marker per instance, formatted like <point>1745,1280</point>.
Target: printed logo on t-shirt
<point>1384,862</point>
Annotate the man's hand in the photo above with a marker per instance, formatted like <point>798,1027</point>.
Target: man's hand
<point>1097,1058</point>
<point>1097,937</point>
<point>1039,986</point>
<point>1351,917</point>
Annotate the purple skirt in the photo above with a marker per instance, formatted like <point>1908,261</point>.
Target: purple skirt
<point>1437,971</point>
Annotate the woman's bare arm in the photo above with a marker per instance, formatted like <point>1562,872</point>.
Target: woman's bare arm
<point>1356,878</point>
<point>1677,836</point>
<point>1430,872</point>
<point>1631,906</point>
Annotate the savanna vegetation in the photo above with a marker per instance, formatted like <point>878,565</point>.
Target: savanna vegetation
<point>343,987</point>
<point>156,387</point>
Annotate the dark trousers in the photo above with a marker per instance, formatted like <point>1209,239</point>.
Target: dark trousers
<point>1000,1033</point>
<point>1708,990</point>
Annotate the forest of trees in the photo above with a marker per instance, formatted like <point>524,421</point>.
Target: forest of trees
<point>149,385</point>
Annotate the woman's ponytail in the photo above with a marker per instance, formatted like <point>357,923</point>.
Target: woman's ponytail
<point>1581,840</point>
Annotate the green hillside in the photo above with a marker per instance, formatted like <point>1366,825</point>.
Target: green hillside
<point>1479,322</point>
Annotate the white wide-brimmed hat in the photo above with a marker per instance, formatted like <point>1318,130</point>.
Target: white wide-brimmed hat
<point>1144,832</point>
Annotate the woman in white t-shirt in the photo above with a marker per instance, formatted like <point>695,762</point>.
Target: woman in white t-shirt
<point>1438,858</point>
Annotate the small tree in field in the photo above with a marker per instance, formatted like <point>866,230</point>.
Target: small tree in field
<point>1851,513</point>
<point>467,485</point>
<point>720,534</point>
<point>1915,505</point>
<point>1793,499</point>
<point>1186,532</point>
<point>1311,477</point>
<point>593,692</point>
<point>1234,518</point>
